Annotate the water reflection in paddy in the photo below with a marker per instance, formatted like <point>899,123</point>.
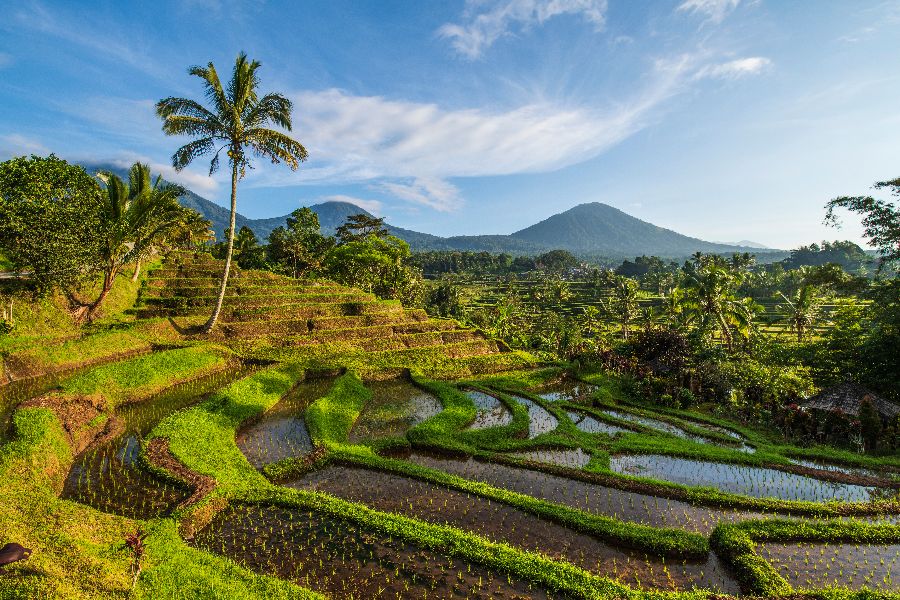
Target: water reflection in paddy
<point>501,522</point>
<point>739,479</point>
<point>569,390</point>
<point>109,476</point>
<point>281,432</point>
<point>489,411</point>
<point>855,566</point>
<point>627,506</point>
<point>574,459</point>
<point>589,424</point>
<point>539,419</point>
<point>396,405</point>
<point>343,560</point>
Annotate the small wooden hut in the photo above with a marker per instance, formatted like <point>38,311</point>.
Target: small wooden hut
<point>848,397</point>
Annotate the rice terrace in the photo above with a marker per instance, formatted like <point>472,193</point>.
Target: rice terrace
<point>196,403</point>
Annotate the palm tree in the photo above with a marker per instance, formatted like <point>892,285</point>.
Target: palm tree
<point>236,122</point>
<point>622,304</point>
<point>135,215</point>
<point>710,300</point>
<point>803,311</point>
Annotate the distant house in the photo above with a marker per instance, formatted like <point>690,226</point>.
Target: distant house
<point>847,397</point>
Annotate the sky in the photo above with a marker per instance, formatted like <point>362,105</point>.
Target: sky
<point>726,120</point>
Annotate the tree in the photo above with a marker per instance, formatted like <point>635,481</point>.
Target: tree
<point>622,304</point>
<point>134,216</point>
<point>377,265</point>
<point>299,248</point>
<point>710,300</point>
<point>802,311</point>
<point>556,261</point>
<point>869,424</point>
<point>446,298</point>
<point>880,219</point>
<point>359,227</point>
<point>49,218</point>
<point>237,121</point>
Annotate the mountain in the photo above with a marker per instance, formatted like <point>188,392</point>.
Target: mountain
<point>746,243</point>
<point>594,230</point>
<point>600,229</point>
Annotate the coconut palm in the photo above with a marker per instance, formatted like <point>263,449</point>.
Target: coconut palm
<point>802,311</point>
<point>236,122</point>
<point>622,304</point>
<point>134,216</point>
<point>710,301</point>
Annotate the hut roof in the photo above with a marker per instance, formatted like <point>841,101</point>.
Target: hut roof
<point>848,396</point>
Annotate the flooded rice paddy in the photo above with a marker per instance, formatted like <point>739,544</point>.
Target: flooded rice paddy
<point>590,424</point>
<point>343,560</point>
<point>500,522</point>
<point>396,405</point>
<point>281,432</point>
<point>590,497</point>
<point>539,418</point>
<point>489,411</point>
<point>568,390</point>
<point>109,477</point>
<point>855,566</point>
<point>574,459</point>
<point>654,424</point>
<point>738,479</point>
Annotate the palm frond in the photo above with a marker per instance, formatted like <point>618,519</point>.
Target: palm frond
<point>213,88</point>
<point>276,146</point>
<point>187,153</point>
<point>272,108</point>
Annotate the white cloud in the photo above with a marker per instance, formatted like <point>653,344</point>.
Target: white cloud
<point>373,206</point>
<point>14,144</point>
<point>735,69</point>
<point>196,182</point>
<point>432,192</point>
<point>714,10</point>
<point>488,20</point>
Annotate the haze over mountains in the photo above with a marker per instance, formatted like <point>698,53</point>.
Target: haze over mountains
<point>593,229</point>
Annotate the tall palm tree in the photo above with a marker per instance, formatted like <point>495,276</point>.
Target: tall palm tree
<point>135,215</point>
<point>622,304</point>
<point>236,122</point>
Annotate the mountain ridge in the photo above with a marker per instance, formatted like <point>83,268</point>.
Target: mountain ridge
<point>589,229</point>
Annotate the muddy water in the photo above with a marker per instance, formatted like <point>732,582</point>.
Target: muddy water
<point>489,411</point>
<point>810,565</point>
<point>281,432</point>
<point>589,424</point>
<point>738,479</point>
<point>569,390</point>
<point>500,522</point>
<point>396,405</point>
<point>343,561</point>
<point>627,506</point>
<point>109,478</point>
<point>574,459</point>
<point>539,419</point>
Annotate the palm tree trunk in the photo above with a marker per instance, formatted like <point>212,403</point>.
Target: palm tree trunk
<point>218,309</point>
<point>137,270</point>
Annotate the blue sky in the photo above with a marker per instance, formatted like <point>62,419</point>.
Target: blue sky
<point>722,119</point>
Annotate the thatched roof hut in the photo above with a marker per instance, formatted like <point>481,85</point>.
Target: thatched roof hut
<point>848,397</point>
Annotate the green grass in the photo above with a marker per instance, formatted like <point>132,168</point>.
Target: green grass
<point>146,375</point>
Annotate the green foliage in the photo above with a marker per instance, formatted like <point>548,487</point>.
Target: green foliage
<point>359,227</point>
<point>330,419</point>
<point>50,215</point>
<point>880,219</point>
<point>299,249</point>
<point>378,265</point>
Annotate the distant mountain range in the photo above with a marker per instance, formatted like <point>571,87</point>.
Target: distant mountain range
<point>594,229</point>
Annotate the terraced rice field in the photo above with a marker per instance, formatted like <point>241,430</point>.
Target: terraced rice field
<point>423,481</point>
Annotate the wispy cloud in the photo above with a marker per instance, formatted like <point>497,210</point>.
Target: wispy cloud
<point>5,60</point>
<point>15,144</point>
<point>431,192</point>
<point>197,182</point>
<point>373,206</point>
<point>486,21</point>
<point>410,149</point>
<point>735,69</point>
<point>714,11</point>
